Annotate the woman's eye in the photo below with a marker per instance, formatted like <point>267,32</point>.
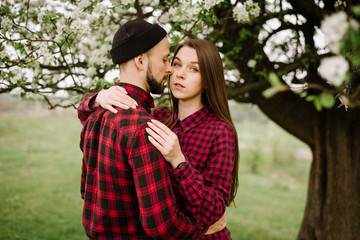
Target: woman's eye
<point>177,65</point>
<point>194,69</point>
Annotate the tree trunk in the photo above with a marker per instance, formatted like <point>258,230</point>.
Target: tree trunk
<point>333,201</point>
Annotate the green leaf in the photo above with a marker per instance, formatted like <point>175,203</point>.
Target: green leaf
<point>355,39</point>
<point>317,104</point>
<point>327,100</point>
<point>356,10</point>
<point>356,59</point>
<point>268,93</point>
<point>347,77</point>
<point>46,19</point>
<point>273,79</point>
<point>100,83</point>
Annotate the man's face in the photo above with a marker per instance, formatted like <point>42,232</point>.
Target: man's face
<point>159,67</point>
<point>155,86</point>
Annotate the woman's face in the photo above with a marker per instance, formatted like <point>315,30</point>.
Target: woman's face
<point>185,82</point>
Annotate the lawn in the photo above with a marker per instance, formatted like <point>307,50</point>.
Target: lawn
<point>40,163</point>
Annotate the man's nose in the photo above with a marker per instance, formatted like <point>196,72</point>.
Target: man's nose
<point>169,69</point>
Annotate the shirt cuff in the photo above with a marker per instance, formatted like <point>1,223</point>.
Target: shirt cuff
<point>184,172</point>
<point>88,100</point>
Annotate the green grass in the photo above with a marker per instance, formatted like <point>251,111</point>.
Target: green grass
<point>40,166</point>
<point>267,208</point>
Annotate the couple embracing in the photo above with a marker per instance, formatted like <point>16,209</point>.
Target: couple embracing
<point>166,173</point>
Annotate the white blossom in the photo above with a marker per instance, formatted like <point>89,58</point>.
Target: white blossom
<point>100,9</point>
<point>194,10</point>
<point>146,2</point>
<point>45,53</point>
<point>334,28</point>
<point>354,24</point>
<point>97,56</point>
<point>83,3</point>
<point>126,2</point>
<point>339,3</point>
<point>76,24</point>
<point>251,63</point>
<point>180,13</point>
<point>58,38</point>
<point>210,3</point>
<point>61,25</point>
<point>90,71</point>
<point>40,2</point>
<point>84,30</point>
<point>334,69</point>
<point>17,75</point>
<point>334,46</point>
<point>43,48</point>
<point>79,13</point>
<point>6,22</point>
<point>255,10</point>
<point>40,17</point>
<point>165,17</point>
<point>3,54</point>
<point>240,13</point>
<point>175,15</point>
<point>108,62</point>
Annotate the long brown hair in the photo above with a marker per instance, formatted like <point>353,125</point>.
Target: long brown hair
<point>214,94</point>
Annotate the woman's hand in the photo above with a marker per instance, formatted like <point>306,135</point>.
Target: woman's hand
<point>114,96</point>
<point>217,226</point>
<point>166,142</point>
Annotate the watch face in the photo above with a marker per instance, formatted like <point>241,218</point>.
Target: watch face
<point>180,165</point>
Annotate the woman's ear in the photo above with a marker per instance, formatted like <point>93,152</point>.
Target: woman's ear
<point>140,61</point>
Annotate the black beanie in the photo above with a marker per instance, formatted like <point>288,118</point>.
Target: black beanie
<point>134,38</point>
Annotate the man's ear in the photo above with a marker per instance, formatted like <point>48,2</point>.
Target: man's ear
<point>140,61</point>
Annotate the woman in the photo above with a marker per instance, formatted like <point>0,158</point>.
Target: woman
<point>204,169</point>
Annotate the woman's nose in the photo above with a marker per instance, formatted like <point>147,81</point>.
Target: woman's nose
<point>180,73</point>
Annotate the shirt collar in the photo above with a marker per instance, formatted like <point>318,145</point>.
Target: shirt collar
<point>193,120</point>
<point>142,97</point>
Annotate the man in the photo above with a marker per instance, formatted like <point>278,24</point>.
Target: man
<point>125,184</point>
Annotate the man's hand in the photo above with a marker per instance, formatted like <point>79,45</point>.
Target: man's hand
<point>114,96</point>
<point>217,226</point>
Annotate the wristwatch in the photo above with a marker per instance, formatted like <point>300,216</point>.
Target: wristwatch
<point>180,165</point>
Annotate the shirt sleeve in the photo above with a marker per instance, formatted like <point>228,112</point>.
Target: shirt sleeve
<point>83,168</point>
<point>84,110</point>
<point>159,216</point>
<point>206,193</point>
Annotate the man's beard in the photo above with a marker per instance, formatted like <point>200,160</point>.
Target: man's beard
<point>155,87</point>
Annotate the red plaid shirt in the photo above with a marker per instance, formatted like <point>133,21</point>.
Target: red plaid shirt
<point>202,186</point>
<point>125,183</point>
<point>204,181</point>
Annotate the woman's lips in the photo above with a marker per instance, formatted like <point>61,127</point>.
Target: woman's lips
<point>178,85</point>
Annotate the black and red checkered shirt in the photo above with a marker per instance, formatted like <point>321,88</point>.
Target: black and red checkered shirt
<point>125,182</point>
<point>202,185</point>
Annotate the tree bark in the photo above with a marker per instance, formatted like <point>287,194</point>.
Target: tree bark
<point>333,202</point>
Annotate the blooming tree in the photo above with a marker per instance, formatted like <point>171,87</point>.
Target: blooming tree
<point>298,61</point>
